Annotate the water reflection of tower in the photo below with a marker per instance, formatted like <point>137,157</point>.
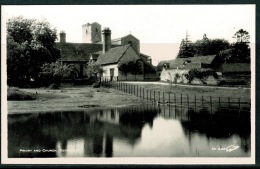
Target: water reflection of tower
<point>121,124</point>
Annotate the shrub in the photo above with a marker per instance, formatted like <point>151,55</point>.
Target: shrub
<point>54,86</point>
<point>201,74</point>
<point>96,85</point>
<point>16,94</point>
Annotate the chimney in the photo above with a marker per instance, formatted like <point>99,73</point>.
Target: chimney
<point>62,37</point>
<point>106,39</point>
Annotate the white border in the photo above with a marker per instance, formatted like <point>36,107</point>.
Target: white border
<point>141,160</point>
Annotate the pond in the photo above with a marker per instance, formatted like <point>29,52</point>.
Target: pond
<point>136,131</point>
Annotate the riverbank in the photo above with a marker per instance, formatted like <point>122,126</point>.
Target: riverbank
<point>85,97</point>
<point>72,98</point>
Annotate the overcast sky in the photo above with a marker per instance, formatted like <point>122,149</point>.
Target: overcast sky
<point>160,28</point>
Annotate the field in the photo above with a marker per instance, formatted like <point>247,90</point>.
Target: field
<point>80,97</point>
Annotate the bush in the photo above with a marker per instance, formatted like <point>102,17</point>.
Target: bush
<point>198,73</point>
<point>96,85</point>
<point>54,86</point>
<point>16,94</point>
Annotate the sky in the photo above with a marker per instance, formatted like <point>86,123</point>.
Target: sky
<point>160,28</point>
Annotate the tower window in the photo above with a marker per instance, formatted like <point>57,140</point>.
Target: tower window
<point>130,42</point>
<point>96,29</point>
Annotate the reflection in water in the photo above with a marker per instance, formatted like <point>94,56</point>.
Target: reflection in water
<point>147,131</point>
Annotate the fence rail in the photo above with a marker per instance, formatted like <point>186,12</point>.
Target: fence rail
<point>171,98</point>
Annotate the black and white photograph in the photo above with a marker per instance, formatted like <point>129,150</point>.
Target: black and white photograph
<point>128,84</point>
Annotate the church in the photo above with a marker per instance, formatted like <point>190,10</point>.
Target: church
<point>98,47</point>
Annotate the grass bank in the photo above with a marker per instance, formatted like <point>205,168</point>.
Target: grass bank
<point>207,91</point>
<point>72,98</point>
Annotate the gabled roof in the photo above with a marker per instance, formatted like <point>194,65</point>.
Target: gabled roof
<point>187,63</point>
<point>128,36</point>
<point>118,40</point>
<point>112,56</point>
<point>78,51</point>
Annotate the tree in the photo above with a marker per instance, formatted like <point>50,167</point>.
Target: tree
<point>218,45</point>
<point>207,46</point>
<point>242,36</point>
<point>240,50</point>
<point>202,47</point>
<point>30,44</point>
<point>57,71</point>
<point>135,67</point>
<point>186,48</point>
<point>95,70</point>
<point>240,53</point>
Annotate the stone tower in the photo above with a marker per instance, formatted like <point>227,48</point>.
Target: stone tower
<point>62,37</point>
<point>91,33</point>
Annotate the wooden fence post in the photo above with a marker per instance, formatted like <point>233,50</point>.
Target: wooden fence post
<point>169,98</point>
<point>202,102</point>
<point>211,104</point>
<point>228,103</point>
<point>239,103</point>
<point>154,96</point>
<point>147,94</point>
<point>159,97</point>
<point>175,98</point>
<point>163,97</point>
<point>188,100</point>
<point>195,103</point>
<point>143,93</point>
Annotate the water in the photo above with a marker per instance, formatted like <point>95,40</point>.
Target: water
<point>147,131</point>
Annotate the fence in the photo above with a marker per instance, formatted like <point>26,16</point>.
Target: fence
<point>170,98</point>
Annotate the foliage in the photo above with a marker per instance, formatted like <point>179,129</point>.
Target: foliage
<point>57,71</point>
<point>16,94</point>
<point>96,85</point>
<point>202,47</point>
<point>94,70</point>
<point>124,68</point>
<point>133,67</point>
<point>176,77</point>
<point>54,86</point>
<point>198,73</point>
<point>238,52</point>
<point>30,44</point>
<point>186,48</point>
<point>242,36</point>
<point>210,47</point>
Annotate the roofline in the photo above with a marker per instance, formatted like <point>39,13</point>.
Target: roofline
<point>125,52</point>
<point>109,64</point>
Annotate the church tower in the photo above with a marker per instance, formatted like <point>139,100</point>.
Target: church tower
<point>91,33</point>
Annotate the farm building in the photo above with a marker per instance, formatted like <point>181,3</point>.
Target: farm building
<point>175,70</point>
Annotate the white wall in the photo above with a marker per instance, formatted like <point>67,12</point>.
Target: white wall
<point>107,70</point>
<point>169,74</point>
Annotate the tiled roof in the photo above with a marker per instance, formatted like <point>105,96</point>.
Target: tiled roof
<point>78,51</point>
<point>187,63</point>
<point>112,56</point>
